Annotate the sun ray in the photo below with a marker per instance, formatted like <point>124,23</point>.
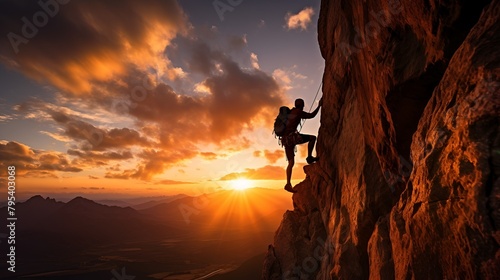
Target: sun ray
<point>243,212</point>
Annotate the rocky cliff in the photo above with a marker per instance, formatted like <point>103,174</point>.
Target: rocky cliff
<point>408,182</point>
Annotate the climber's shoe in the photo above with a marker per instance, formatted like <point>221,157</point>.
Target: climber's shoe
<point>288,187</point>
<point>311,159</point>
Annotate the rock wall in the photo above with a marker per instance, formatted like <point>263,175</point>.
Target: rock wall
<point>408,182</point>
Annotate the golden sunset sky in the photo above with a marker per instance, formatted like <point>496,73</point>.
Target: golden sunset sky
<point>143,98</point>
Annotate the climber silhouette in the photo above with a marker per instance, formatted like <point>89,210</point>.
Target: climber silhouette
<point>292,137</point>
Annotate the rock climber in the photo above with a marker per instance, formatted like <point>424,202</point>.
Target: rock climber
<point>292,137</point>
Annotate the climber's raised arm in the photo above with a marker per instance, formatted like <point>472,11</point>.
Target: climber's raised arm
<point>306,115</point>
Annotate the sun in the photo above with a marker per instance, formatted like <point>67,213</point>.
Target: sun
<point>241,184</point>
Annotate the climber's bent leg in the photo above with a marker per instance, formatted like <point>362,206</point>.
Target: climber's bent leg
<point>311,139</point>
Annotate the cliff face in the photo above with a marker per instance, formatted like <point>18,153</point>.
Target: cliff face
<point>408,182</point>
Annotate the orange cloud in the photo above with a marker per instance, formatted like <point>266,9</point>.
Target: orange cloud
<point>268,172</point>
<point>91,41</point>
<point>271,156</point>
<point>39,174</point>
<point>238,99</point>
<point>173,182</point>
<point>99,52</point>
<point>153,162</point>
<point>34,163</point>
<point>211,155</point>
<point>170,127</point>
<point>300,20</point>
<point>87,135</point>
<point>98,158</point>
<point>274,156</point>
<point>15,152</point>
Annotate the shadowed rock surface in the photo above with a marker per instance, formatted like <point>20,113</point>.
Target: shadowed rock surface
<point>408,182</point>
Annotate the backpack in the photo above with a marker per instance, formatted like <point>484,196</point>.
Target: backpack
<point>281,121</point>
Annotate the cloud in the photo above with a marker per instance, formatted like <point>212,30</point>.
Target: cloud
<point>282,77</point>
<point>173,182</point>
<point>268,172</point>
<point>6,118</point>
<point>73,128</point>
<point>34,163</point>
<point>91,137</point>
<point>16,152</point>
<point>300,20</point>
<point>56,136</point>
<point>271,156</point>
<point>92,188</point>
<point>211,155</point>
<point>153,162</point>
<point>39,174</point>
<point>116,167</point>
<point>274,156</point>
<point>238,98</point>
<point>172,124</point>
<point>254,60</point>
<point>85,109</point>
<point>287,77</point>
<point>55,162</point>
<point>99,158</point>
<point>235,99</point>
<point>91,41</point>
<point>109,59</point>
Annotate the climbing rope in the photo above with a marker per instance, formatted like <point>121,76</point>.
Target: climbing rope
<point>312,104</point>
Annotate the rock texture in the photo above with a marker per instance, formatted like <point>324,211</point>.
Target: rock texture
<point>408,182</point>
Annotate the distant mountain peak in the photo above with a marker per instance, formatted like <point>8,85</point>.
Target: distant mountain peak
<point>81,200</point>
<point>39,199</point>
<point>35,198</point>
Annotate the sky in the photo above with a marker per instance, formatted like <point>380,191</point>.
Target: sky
<point>144,98</point>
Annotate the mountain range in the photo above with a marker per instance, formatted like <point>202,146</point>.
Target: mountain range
<point>171,235</point>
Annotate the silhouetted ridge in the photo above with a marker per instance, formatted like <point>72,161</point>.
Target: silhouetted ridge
<point>82,201</point>
<point>35,198</point>
<point>81,207</point>
<point>39,207</point>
